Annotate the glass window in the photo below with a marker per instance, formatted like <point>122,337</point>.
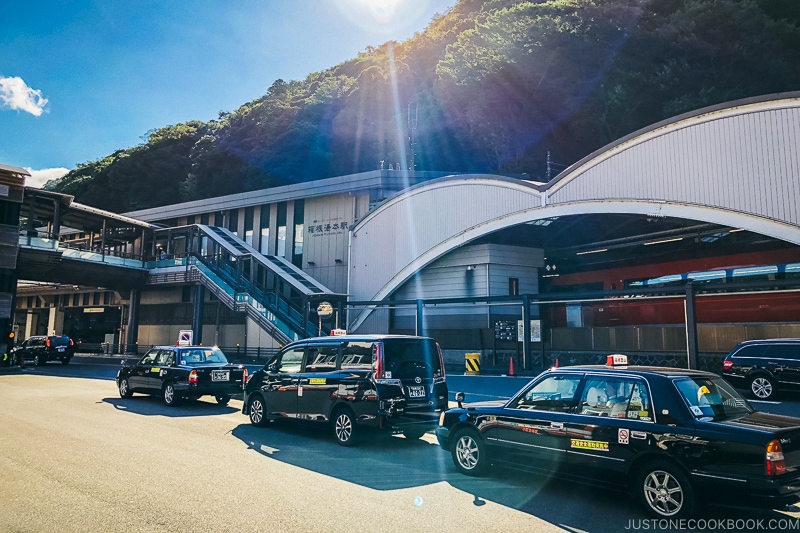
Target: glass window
<point>712,398</point>
<point>297,248</point>
<point>149,358</point>
<point>291,360</point>
<point>281,252</point>
<point>264,225</point>
<point>553,393</point>
<point>409,358</point>
<point>616,398</point>
<point>784,351</point>
<point>321,358</point>
<point>357,355</point>
<point>752,351</point>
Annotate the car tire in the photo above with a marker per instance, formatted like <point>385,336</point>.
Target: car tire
<point>39,360</point>
<point>125,388</point>
<point>664,490</point>
<point>469,453</point>
<point>257,411</point>
<point>222,399</point>
<point>169,395</point>
<point>762,387</point>
<point>344,427</point>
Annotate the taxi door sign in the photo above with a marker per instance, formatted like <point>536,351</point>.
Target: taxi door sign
<point>185,337</point>
<point>595,445</point>
<point>623,435</point>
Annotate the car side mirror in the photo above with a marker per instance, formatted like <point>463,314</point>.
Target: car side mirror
<point>123,362</point>
<point>460,399</point>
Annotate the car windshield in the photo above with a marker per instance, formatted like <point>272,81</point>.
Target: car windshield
<point>202,356</point>
<point>712,398</point>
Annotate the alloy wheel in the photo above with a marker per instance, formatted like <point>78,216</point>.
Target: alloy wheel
<point>663,493</point>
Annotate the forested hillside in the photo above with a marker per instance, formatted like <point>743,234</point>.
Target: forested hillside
<point>490,86</point>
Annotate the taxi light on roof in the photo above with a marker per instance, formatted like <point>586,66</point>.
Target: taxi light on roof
<point>617,360</point>
<point>775,463</point>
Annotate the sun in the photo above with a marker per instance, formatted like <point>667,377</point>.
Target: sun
<point>381,10</point>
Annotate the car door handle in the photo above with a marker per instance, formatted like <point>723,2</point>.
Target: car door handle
<point>556,425</point>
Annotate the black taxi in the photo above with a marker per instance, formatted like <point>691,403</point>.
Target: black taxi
<point>180,372</point>
<point>352,383</point>
<point>671,436</point>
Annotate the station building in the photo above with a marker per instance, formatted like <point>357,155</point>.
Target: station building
<point>673,244</point>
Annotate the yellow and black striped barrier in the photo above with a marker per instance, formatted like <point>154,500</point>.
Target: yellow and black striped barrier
<point>473,361</point>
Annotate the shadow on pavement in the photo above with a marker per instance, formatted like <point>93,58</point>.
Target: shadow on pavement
<point>390,463</point>
<point>153,406</point>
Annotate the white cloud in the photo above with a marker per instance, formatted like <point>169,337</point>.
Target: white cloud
<point>40,177</point>
<point>15,94</point>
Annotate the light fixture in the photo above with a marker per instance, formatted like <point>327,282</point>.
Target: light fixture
<point>664,241</point>
<point>593,251</point>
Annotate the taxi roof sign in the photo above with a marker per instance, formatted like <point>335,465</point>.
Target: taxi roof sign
<point>617,360</point>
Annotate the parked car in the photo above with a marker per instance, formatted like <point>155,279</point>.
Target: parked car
<point>44,348</point>
<point>671,436</point>
<point>180,372</point>
<point>393,383</point>
<point>764,367</point>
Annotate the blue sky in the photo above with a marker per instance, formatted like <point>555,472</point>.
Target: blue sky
<point>80,79</point>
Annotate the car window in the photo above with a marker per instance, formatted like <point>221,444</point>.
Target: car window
<point>784,351</point>
<point>59,341</point>
<point>202,356</point>
<point>712,398</point>
<point>149,358</point>
<point>357,355</point>
<point>751,351</point>
<point>321,358</point>
<point>291,360</point>
<point>554,393</point>
<point>406,358</point>
<point>616,398</point>
<point>164,357</point>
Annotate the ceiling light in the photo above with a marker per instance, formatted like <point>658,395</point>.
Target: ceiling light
<point>663,241</point>
<point>593,251</point>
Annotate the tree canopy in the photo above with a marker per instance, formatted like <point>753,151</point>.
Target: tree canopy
<point>489,86</point>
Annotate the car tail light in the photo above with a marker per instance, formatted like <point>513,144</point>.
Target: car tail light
<point>245,376</point>
<point>193,376</point>
<point>71,343</point>
<point>378,358</point>
<point>47,342</point>
<point>441,359</point>
<point>775,463</point>
<point>727,365</point>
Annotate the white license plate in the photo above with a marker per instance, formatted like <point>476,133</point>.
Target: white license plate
<point>220,375</point>
<point>61,348</point>
<point>416,392</point>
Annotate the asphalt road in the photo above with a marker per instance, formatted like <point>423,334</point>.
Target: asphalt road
<point>76,457</point>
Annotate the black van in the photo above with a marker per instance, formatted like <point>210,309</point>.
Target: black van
<point>394,383</point>
<point>765,367</point>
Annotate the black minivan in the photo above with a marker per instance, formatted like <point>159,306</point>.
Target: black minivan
<point>394,383</point>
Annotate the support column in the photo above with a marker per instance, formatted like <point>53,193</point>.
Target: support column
<point>30,324</point>
<point>526,332</point>
<point>691,327</point>
<point>197,315</point>
<point>133,319</point>
<point>421,318</point>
